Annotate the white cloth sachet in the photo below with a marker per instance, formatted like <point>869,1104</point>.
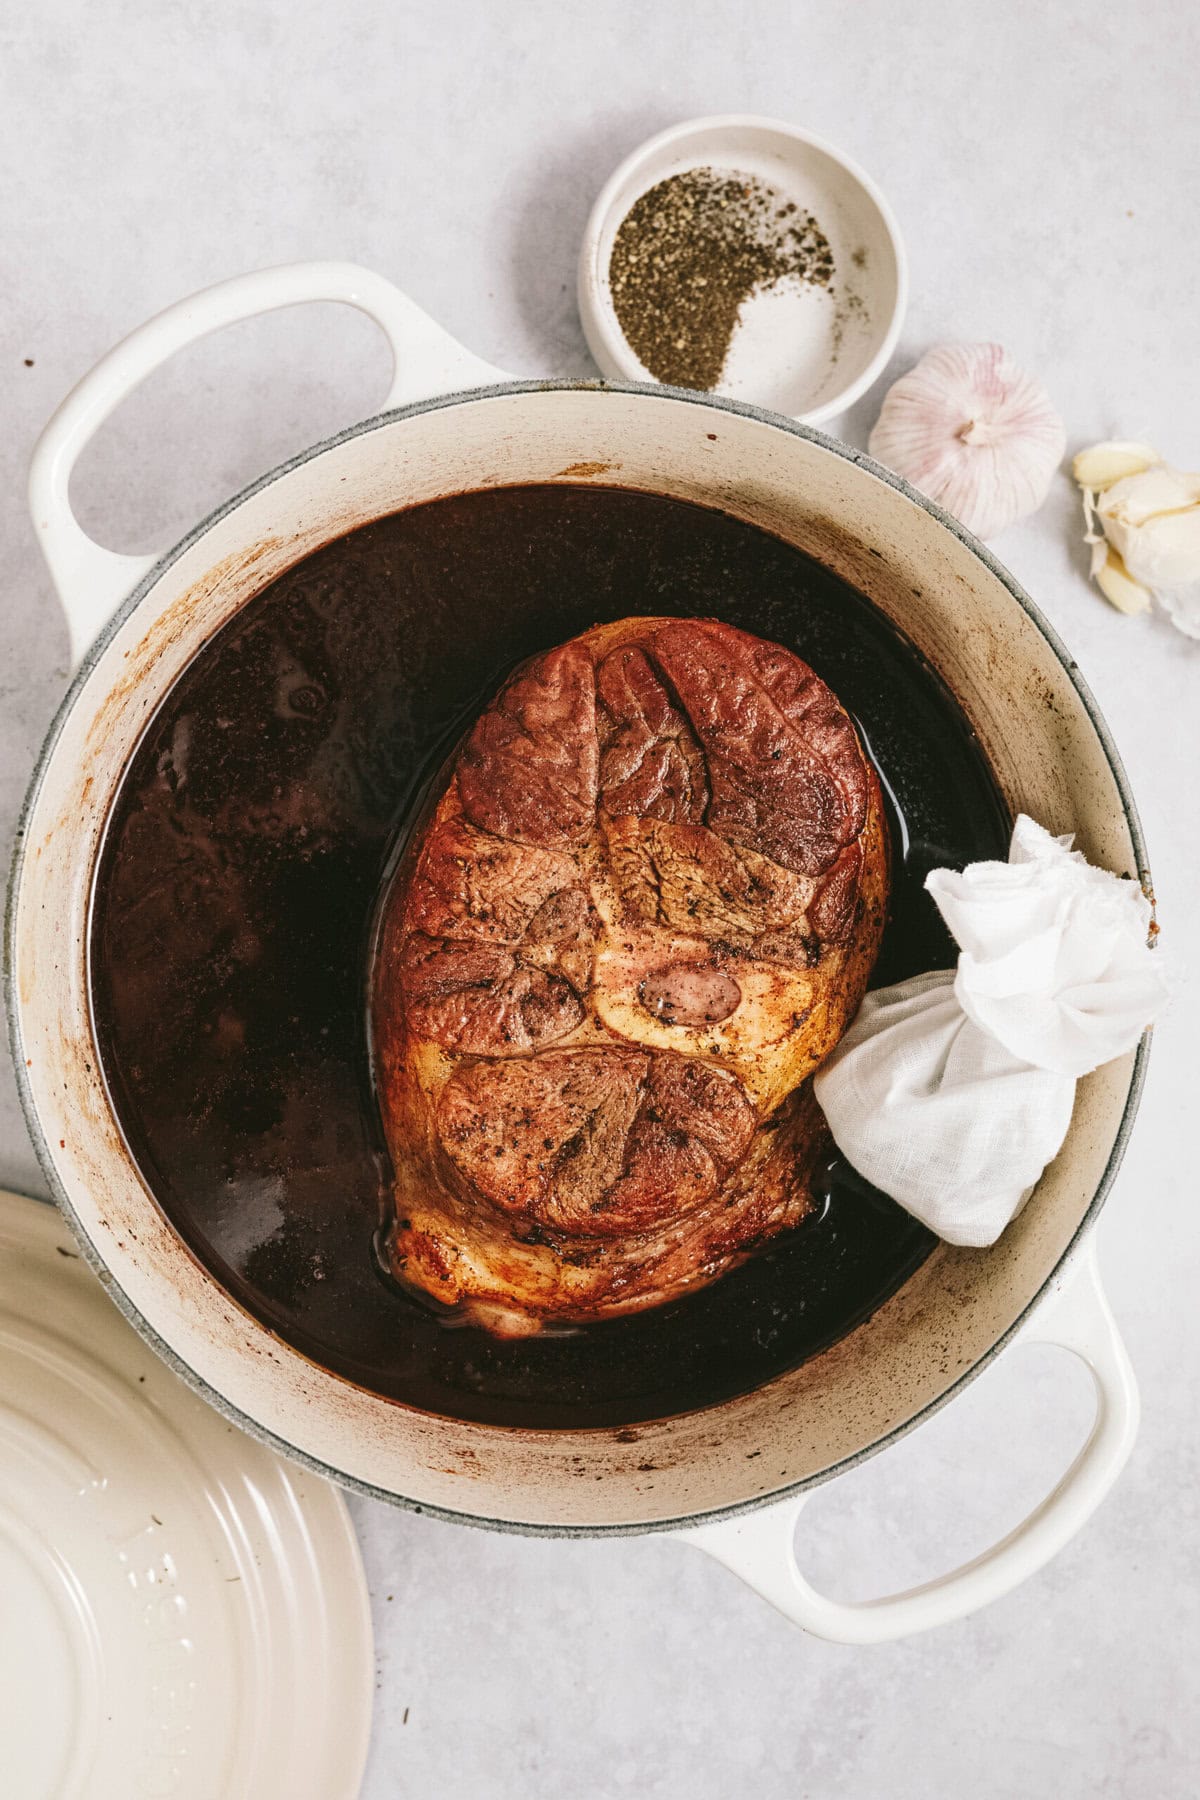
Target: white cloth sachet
<point>952,1091</point>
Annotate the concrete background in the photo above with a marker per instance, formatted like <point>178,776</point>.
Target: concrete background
<point>1043,163</point>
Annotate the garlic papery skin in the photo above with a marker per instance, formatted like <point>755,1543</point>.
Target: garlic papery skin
<point>974,432</point>
<point>1150,521</point>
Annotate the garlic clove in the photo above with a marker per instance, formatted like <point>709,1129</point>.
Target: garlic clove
<point>1115,582</point>
<point>1102,464</point>
<point>974,432</point>
<point>1136,498</point>
<point>1153,519</point>
<point>1150,517</point>
<point>1164,551</point>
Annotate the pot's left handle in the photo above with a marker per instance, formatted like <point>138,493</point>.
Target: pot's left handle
<point>91,580</point>
<point>760,1547</point>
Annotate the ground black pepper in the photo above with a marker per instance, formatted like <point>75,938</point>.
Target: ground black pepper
<point>689,253</point>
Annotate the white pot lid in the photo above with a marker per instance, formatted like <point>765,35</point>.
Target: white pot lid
<point>182,1612</point>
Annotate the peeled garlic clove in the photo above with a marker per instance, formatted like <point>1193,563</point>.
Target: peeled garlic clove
<point>1102,464</point>
<point>1137,498</point>
<point>1115,582</point>
<point>1150,516</point>
<point>974,432</point>
<point>1153,519</point>
<point>1164,552</point>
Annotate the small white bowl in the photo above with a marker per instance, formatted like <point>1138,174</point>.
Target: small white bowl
<point>803,350</point>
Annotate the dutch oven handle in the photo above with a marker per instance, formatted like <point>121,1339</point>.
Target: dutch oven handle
<point>761,1546</point>
<point>91,580</point>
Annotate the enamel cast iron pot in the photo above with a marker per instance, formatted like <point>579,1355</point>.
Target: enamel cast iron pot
<point>731,1479</point>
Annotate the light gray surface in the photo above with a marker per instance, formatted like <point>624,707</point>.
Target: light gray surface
<point>1042,161</point>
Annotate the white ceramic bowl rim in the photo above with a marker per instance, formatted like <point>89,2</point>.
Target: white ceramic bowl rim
<point>41,1147</point>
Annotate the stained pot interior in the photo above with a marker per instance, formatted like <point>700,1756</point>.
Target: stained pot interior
<point>1034,727</point>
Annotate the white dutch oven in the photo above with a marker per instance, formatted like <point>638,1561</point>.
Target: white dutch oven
<point>731,1479</point>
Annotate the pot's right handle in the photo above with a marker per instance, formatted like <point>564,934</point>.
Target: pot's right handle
<point>760,1547</point>
<point>91,580</point>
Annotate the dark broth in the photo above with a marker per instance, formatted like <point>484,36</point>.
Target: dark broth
<point>242,866</point>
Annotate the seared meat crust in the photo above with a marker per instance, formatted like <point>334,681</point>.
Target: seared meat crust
<point>642,913</point>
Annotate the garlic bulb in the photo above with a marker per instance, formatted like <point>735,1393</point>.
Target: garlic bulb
<point>973,432</point>
<point>1148,541</point>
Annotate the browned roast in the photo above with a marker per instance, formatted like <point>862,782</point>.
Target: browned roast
<point>650,764</point>
<point>643,911</point>
<point>599,1142</point>
<point>694,1125</point>
<point>521,1132</point>
<point>788,776</point>
<point>528,769</point>
<point>479,999</point>
<point>470,884</point>
<point>831,913</point>
<point>688,877</point>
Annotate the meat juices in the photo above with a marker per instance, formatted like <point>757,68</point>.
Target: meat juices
<point>244,859</point>
<point>644,910</point>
